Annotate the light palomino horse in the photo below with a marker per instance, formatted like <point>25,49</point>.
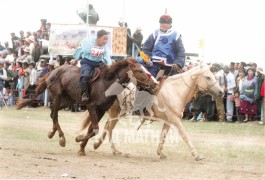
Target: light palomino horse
<point>175,92</point>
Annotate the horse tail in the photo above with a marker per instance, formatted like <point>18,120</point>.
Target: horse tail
<point>85,122</point>
<point>41,87</point>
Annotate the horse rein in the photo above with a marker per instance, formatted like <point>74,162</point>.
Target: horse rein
<point>147,86</point>
<point>206,89</point>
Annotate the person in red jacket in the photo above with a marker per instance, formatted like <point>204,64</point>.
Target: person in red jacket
<point>262,94</point>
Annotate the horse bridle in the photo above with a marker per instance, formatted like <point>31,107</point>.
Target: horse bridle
<point>147,86</point>
<point>206,89</point>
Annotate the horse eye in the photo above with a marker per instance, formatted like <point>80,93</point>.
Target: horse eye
<point>208,78</point>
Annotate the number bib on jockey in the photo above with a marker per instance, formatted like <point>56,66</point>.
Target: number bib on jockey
<point>96,51</point>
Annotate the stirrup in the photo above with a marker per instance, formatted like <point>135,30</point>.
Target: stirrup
<point>84,97</point>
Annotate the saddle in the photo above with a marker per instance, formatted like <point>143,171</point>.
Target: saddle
<point>94,74</point>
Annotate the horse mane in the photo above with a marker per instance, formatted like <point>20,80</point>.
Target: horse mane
<point>110,71</point>
<point>177,76</point>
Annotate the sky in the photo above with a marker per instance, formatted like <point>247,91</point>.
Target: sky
<point>232,30</point>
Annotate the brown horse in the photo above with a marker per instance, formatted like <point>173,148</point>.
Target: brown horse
<point>64,90</point>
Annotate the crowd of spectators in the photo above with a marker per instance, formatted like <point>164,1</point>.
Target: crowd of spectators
<point>19,62</point>
<point>243,100</point>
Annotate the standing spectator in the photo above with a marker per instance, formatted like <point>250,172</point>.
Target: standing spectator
<point>13,38</point>
<point>44,66</point>
<point>26,82</point>
<point>2,47</point>
<point>221,80</point>
<point>32,81</point>
<point>43,26</point>
<point>59,60</point>
<point>33,75</point>
<point>16,69</point>
<point>48,28</point>
<point>242,66</point>
<point>93,15</point>
<point>10,57</point>
<point>241,76</point>
<point>231,84</point>
<point>50,66</point>
<point>262,94</point>
<point>236,99</point>
<point>31,42</point>
<point>129,38</point>
<point>260,79</point>
<point>248,95</point>
<point>17,45</point>
<point>8,82</point>
<point>67,60</point>
<point>137,39</point>
<point>3,77</point>
<point>38,35</point>
<point>28,34</point>
<point>22,36</point>
<point>36,53</point>
<point>6,45</point>
<point>165,48</point>
<point>27,56</point>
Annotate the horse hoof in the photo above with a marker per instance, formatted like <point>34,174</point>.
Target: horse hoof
<point>198,158</point>
<point>51,134</point>
<point>78,138</point>
<point>96,145</point>
<point>163,157</point>
<point>116,153</point>
<point>127,155</point>
<point>62,142</point>
<point>81,153</point>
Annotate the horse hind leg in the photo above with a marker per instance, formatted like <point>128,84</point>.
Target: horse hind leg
<point>163,136</point>
<point>100,140</point>
<point>57,104</point>
<point>54,128</point>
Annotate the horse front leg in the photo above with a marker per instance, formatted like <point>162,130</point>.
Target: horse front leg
<point>178,124</point>
<point>95,116</point>
<point>84,139</point>
<point>163,136</point>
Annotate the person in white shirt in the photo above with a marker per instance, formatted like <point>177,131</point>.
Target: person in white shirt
<point>3,77</point>
<point>10,57</point>
<point>33,74</point>
<point>231,84</point>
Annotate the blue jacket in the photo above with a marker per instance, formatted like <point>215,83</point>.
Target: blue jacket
<point>94,53</point>
<point>165,48</point>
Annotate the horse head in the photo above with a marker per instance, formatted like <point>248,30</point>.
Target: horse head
<point>206,81</point>
<point>140,76</point>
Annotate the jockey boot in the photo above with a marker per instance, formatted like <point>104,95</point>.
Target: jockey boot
<point>85,97</point>
<point>84,89</point>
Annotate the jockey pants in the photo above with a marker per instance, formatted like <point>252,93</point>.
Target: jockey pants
<point>86,68</point>
<point>156,67</point>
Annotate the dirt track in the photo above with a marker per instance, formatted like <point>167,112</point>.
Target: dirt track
<point>27,153</point>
